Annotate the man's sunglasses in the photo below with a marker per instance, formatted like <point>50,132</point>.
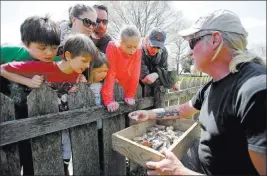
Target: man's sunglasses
<point>194,41</point>
<point>87,22</point>
<point>104,21</point>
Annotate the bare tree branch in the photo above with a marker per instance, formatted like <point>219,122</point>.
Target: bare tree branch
<point>148,14</point>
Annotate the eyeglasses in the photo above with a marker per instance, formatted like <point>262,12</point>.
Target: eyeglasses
<point>194,41</point>
<point>104,21</point>
<point>87,22</point>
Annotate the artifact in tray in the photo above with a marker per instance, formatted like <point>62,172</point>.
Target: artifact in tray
<point>159,137</point>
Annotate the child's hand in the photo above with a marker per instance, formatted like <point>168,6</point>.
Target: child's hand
<point>36,81</point>
<point>113,106</point>
<point>81,78</point>
<point>73,89</point>
<point>129,101</point>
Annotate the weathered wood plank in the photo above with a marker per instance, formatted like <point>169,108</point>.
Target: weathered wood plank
<point>186,140</point>
<point>166,104</point>
<point>111,126</point>
<point>46,150</point>
<point>118,92</point>
<point>183,83</point>
<point>173,102</point>
<point>139,92</point>
<point>180,94</point>
<point>195,81</point>
<point>128,122</point>
<point>84,141</point>
<point>84,138</point>
<point>136,152</point>
<point>83,98</point>
<point>182,100</point>
<point>122,140</point>
<point>199,81</point>
<point>147,91</point>
<point>14,131</point>
<point>114,163</point>
<point>9,160</point>
<point>160,96</point>
<point>189,82</point>
<point>7,108</point>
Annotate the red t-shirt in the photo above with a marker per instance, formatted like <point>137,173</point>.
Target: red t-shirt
<point>49,70</point>
<point>125,68</point>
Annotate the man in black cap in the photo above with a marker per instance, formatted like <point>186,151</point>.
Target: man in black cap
<point>154,66</point>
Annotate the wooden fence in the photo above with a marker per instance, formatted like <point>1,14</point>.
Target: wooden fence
<point>92,152</point>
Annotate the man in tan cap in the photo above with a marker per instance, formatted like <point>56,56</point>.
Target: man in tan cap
<point>232,105</point>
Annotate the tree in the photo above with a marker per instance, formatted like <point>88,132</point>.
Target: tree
<point>178,45</point>
<point>143,14</point>
<point>186,62</point>
<point>259,49</point>
<point>148,14</point>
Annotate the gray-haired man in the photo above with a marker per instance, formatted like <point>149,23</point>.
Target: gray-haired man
<point>232,105</point>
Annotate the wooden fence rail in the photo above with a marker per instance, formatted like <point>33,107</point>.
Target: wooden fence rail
<point>92,152</point>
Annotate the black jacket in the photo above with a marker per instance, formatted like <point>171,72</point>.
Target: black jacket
<point>159,64</point>
<point>102,43</point>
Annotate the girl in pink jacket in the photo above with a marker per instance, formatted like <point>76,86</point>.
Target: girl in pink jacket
<point>124,57</point>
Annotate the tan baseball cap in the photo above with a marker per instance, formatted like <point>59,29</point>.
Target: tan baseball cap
<point>220,20</point>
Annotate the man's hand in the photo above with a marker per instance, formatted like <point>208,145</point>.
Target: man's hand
<point>129,101</point>
<point>168,166</point>
<point>113,106</point>
<point>139,116</point>
<point>36,81</point>
<point>149,79</point>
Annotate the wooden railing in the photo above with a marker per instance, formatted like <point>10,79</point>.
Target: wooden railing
<point>92,152</point>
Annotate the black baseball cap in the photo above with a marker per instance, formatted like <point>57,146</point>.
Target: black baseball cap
<point>157,37</point>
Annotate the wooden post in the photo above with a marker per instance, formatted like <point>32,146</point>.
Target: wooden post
<point>9,159</point>
<point>114,163</point>
<point>84,138</point>
<point>147,91</point>
<point>46,149</point>
<point>160,92</point>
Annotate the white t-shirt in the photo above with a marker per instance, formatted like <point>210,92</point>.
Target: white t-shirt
<point>96,88</point>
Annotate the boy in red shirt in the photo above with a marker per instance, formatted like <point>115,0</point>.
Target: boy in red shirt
<point>124,59</point>
<point>40,38</point>
<point>77,58</point>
